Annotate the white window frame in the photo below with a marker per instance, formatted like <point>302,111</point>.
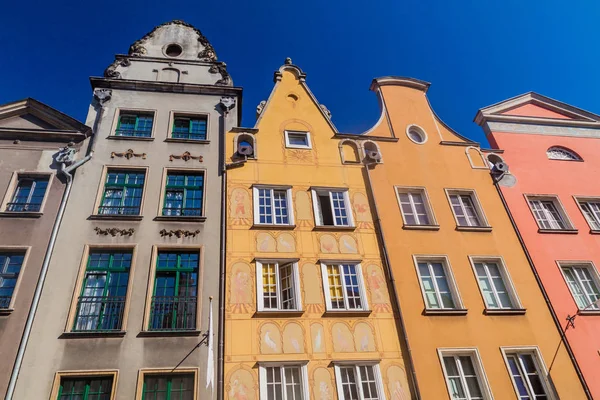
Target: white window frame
<point>260,290</point>
<point>426,202</point>
<point>506,279</point>
<point>295,146</point>
<point>361,286</point>
<point>540,366</point>
<point>256,204</point>
<point>458,304</point>
<point>566,154</point>
<point>317,209</point>
<point>356,365</point>
<point>595,279</point>
<point>473,353</point>
<point>559,209</point>
<point>262,372</point>
<point>483,222</point>
<point>593,220</point>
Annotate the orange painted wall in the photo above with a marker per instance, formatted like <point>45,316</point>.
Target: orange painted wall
<point>536,174</point>
<point>437,167</point>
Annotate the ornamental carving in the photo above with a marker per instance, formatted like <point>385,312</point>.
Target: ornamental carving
<point>129,154</point>
<point>179,233</point>
<point>225,77</point>
<point>137,49</point>
<point>111,70</point>
<point>186,156</point>
<point>325,110</point>
<point>114,231</point>
<point>260,107</point>
<point>213,69</point>
<point>208,54</point>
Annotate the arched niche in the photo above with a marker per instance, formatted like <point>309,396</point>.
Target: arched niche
<point>244,138</point>
<point>349,152</point>
<point>370,146</point>
<point>476,158</point>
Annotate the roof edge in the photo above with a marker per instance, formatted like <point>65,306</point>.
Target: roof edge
<point>400,81</point>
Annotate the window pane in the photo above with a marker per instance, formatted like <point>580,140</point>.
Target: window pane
<point>339,208</point>
<point>280,206</point>
<point>286,277</point>
<point>336,291</point>
<point>298,139</point>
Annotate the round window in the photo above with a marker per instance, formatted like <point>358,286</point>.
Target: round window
<point>416,134</point>
<point>173,50</point>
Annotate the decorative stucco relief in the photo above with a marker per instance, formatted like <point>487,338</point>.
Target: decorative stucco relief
<point>328,244</point>
<point>303,209</point>
<point>377,286</point>
<point>270,339</point>
<point>363,337</point>
<point>312,294</point>
<point>241,385</point>
<point>240,207</point>
<point>265,242</point>
<point>317,335</point>
<point>323,384</point>
<point>360,203</point>
<point>286,243</point>
<point>270,242</point>
<point>348,245</point>
<point>129,154</point>
<point>241,289</point>
<point>397,382</point>
<point>343,341</point>
<point>293,338</point>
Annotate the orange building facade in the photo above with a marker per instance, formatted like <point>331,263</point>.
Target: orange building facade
<point>476,320</point>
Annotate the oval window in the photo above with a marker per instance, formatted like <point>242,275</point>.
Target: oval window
<point>416,134</point>
<point>173,50</point>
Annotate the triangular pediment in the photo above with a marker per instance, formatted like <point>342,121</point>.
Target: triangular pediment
<point>26,121</point>
<point>535,111</point>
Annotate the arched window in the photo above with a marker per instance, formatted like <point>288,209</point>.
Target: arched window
<point>561,153</point>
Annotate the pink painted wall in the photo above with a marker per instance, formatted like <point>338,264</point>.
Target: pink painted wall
<point>536,174</point>
<point>531,110</point>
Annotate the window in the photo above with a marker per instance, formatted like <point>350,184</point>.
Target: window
<point>437,284</point>
<point>527,374</point>
<point>359,382</point>
<point>332,207</point>
<point>183,194</point>
<point>273,206</point>
<point>278,286</point>
<point>132,124</point>
<point>122,194</point>
<point>191,128</point>
<point>561,153</point>
<point>169,386</point>
<point>344,287</point>
<point>495,285</point>
<point>464,375</point>
<point>548,213</point>
<point>591,211</point>
<point>10,268</point>
<point>175,290</point>
<point>29,194</point>
<point>416,134</point>
<point>583,283</point>
<point>297,140</point>
<point>414,206</point>
<point>101,303</point>
<point>85,388</point>
<point>283,382</point>
<point>466,208</point>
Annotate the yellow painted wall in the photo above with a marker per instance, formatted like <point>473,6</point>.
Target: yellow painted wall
<point>313,336</point>
<point>437,167</point>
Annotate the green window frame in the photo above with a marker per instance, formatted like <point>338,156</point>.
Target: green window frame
<point>175,290</point>
<point>184,193</point>
<point>135,124</point>
<point>122,193</point>
<point>101,302</point>
<point>11,264</point>
<point>191,128</point>
<point>168,386</point>
<point>85,388</point>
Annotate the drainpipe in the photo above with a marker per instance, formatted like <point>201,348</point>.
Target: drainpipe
<point>541,286</point>
<point>66,172</point>
<point>388,270</point>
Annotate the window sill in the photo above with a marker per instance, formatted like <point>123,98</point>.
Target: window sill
<point>298,147</point>
<point>422,227</point>
<point>20,214</point>
<point>116,217</point>
<point>588,312</point>
<point>454,311</point>
<point>168,333</point>
<point>92,334</point>
<point>566,231</point>
<point>6,311</point>
<point>594,232</point>
<point>278,313</point>
<point>198,141</point>
<point>140,138</point>
<point>274,226</point>
<point>474,228</point>
<point>347,313</point>
<point>178,218</point>
<point>500,311</point>
<point>333,228</point>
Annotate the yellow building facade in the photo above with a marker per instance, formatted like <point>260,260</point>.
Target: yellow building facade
<point>308,310</point>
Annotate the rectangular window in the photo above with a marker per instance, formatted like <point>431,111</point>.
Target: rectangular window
<point>359,382</point>
<point>283,382</point>
<point>10,268</point>
<point>297,140</point>
<point>414,206</point>
<point>466,209</point>
<point>183,194</point>
<point>591,211</point>
<point>168,386</point>
<point>133,124</point>
<point>495,285</point>
<point>190,128</point>
<point>85,388</point>
<point>272,206</point>
<point>101,303</point>
<point>462,376</point>
<point>332,207</point>
<point>122,193</point>
<point>583,283</point>
<point>344,287</point>
<point>29,194</point>
<point>526,372</point>
<point>278,286</point>
<point>437,285</point>
<point>175,290</point>
<point>548,213</point>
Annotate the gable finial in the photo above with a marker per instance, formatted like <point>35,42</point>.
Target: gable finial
<point>288,61</point>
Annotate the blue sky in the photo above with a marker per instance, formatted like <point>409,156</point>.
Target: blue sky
<point>474,53</point>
